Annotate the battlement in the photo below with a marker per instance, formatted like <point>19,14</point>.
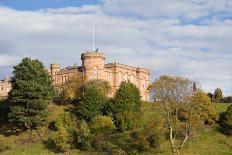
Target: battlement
<point>116,64</point>
<point>92,54</point>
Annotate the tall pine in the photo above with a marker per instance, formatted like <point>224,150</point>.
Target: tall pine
<point>31,93</point>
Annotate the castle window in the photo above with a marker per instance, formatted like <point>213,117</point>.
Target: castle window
<point>1,88</point>
<point>95,72</point>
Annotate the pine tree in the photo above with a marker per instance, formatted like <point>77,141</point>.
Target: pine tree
<point>31,92</point>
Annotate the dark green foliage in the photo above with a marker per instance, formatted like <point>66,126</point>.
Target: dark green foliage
<point>127,98</point>
<point>227,99</point>
<point>4,110</point>
<point>31,92</point>
<point>91,104</point>
<point>225,121</point>
<point>218,95</point>
<point>102,86</point>
<point>127,120</point>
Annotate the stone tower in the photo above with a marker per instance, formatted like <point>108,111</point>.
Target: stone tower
<point>54,68</point>
<point>93,65</point>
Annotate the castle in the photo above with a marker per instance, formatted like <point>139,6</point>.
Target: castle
<point>94,67</point>
<point>5,87</point>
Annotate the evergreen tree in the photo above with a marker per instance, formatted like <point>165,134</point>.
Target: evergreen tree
<point>91,104</point>
<point>218,95</point>
<point>127,98</point>
<point>31,92</point>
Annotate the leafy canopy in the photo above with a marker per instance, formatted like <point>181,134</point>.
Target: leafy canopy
<point>31,92</point>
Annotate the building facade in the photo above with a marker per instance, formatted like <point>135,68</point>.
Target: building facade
<point>5,87</point>
<point>94,67</point>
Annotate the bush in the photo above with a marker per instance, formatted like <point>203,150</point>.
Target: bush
<point>225,121</point>
<point>63,140</point>
<point>82,136</point>
<point>127,120</point>
<point>102,124</point>
<point>31,136</point>
<point>65,120</point>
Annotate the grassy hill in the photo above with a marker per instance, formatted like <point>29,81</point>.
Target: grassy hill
<point>208,140</point>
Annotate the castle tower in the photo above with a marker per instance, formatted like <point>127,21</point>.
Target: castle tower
<point>54,68</point>
<point>93,65</point>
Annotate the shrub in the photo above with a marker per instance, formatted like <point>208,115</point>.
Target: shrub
<point>65,120</point>
<point>225,121</point>
<point>31,136</point>
<point>127,120</point>
<point>82,136</point>
<point>101,124</point>
<point>142,144</point>
<point>63,140</point>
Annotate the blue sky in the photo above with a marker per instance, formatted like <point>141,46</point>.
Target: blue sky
<point>190,38</point>
<point>42,4</point>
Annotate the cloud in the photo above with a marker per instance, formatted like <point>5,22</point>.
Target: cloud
<point>184,38</point>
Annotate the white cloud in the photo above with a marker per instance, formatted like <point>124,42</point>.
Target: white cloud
<point>159,40</point>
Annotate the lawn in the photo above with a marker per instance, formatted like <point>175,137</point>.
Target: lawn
<point>208,140</point>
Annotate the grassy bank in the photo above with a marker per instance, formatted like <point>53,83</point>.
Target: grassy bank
<point>208,140</point>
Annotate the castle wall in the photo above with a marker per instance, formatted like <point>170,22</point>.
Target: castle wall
<point>5,87</point>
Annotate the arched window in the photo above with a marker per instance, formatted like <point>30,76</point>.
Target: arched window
<point>95,73</point>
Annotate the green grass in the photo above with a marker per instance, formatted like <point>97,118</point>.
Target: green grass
<point>208,140</point>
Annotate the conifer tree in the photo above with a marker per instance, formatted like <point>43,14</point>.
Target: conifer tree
<point>127,98</point>
<point>31,92</point>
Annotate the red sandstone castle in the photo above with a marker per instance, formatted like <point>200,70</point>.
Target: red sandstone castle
<point>94,67</point>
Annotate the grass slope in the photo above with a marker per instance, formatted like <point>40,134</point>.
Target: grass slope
<point>207,141</point>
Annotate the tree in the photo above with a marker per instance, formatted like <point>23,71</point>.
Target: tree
<point>102,86</point>
<point>72,88</point>
<point>218,95</point>
<point>210,95</point>
<point>127,98</point>
<point>93,100</point>
<point>31,92</point>
<point>225,121</point>
<point>180,107</point>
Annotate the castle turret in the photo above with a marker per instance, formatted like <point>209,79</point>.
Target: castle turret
<point>54,69</point>
<point>93,65</point>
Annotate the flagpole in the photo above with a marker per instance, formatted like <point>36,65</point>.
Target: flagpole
<point>93,37</point>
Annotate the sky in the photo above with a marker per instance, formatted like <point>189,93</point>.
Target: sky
<point>189,38</point>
